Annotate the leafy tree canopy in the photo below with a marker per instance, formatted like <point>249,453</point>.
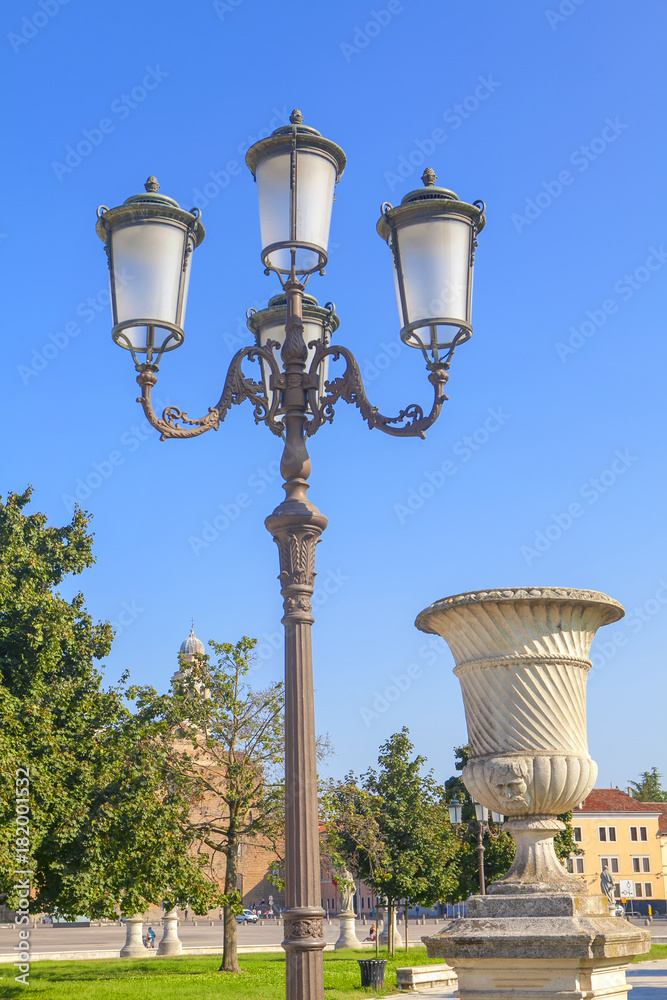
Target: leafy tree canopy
<point>102,828</point>
<point>649,787</point>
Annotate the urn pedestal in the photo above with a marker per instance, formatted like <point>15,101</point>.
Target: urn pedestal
<point>170,943</point>
<point>134,944</point>
<point>347,937</point>
<point>522,661</point>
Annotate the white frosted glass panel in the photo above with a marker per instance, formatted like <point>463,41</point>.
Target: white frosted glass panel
<point>435,258</point>
<point>273,195</point>
<point>316,178</point>
<point>147,260</point>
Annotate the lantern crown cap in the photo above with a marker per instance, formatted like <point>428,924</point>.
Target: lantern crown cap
<point>429,192</point>
<point>151,197</point>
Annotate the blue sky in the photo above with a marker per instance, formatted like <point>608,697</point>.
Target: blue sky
<point>553,114</point>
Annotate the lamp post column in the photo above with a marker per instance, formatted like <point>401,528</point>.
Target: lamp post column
<point>296,526</point>
<point>480,855</point>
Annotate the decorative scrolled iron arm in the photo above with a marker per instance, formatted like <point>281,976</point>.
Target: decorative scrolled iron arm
<point>175,423</point>
<point>350,387</point>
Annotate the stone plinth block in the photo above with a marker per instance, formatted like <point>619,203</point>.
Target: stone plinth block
<point>539,947</point>
<point>347,937</point>
<point>134,945</point>
<point>170,943</point>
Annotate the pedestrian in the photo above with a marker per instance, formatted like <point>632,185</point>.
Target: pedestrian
<point>186,912</point>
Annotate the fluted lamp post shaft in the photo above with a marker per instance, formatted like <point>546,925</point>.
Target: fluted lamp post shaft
<point>149,242</point>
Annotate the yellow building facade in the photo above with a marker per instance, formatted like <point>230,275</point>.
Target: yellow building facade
<point>628,838</point>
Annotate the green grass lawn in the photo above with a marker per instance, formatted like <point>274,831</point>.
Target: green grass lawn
<point>198,978</point>
<point>195,978</point>
<point>657,951</point>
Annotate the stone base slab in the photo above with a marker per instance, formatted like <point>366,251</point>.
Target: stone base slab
<point>419,978</point>
<point>532,947</point>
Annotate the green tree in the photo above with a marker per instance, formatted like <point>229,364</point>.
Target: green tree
<point>649,787</point>
<point>226,740</point>
<point>103,827</point>
<point>390,828</point>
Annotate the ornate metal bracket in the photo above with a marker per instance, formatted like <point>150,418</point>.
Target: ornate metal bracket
<point>349,386</point>
<point>175,423</point>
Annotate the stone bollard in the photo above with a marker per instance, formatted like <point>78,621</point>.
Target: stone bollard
<point>522,660</point>
<point>134,945</point>
<point>170,943</point>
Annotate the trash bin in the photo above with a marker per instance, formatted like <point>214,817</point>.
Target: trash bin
<point>372,971</point>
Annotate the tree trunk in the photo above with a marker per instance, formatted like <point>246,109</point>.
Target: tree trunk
<point>405,911</point>
<point>229,950</point>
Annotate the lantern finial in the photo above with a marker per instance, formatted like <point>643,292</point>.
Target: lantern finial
<point>429,177</point>
<point>152,185</point>
<point>296,117</point>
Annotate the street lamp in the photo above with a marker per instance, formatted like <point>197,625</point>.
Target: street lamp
<point>432,236</point>
<point>479,826</point>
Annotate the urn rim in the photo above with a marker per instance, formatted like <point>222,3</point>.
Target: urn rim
<point>562,595</point>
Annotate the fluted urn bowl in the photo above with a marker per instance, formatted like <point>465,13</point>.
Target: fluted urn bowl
<point>522,660</point>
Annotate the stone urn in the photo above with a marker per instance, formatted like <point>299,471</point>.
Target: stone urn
<point>522,660</point>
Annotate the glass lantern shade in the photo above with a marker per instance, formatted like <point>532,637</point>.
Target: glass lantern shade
<point>432,236</point>
<point>498,817</point>
<point>296,170</point>
<point>455,812</point>
<point>481,813</point>
<point>149,242</point>
<point>318,325</point>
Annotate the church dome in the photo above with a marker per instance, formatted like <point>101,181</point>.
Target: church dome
<point>192,644</point>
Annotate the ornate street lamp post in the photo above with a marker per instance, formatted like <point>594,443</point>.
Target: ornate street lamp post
<point>432,235</point>
<point>479,827</point>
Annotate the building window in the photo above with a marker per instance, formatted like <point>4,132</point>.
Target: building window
<point>633,833</point>
<point>612,833</point>
<point>643,835</point>
<point>577,834</point>
<point>602,832</point>
<point>575,865</point>
<point>648,889</point>
<point>641,864</point>
<point>638,890</point>
<point>609,864</point>
<point>642,831</point>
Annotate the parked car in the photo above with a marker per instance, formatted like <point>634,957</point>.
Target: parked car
<point>619,910</point>
<point>247,917</point>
